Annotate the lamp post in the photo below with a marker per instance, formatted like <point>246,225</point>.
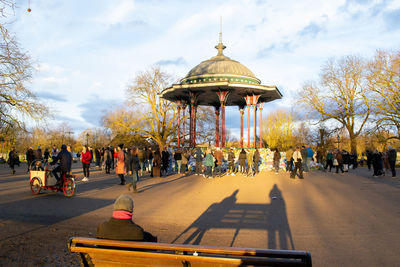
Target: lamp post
<point>338,141</point>
<point>87,137</point>
<point>2,144</point>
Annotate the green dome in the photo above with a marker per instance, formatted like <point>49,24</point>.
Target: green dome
<point>219,67</point>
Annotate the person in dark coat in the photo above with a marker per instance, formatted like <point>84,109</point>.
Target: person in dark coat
<point>377,163</point>
<point>30,157</point>
<point>242,161</point>
<point>178,160</point>
<point>108,158</point>
<point>199,161</point>
<point>346,160</point>
<point>156,170</point>
<point>64,167</point>
<point>98,156</point>
<point>165,160</point>
<point>132,168</point>
<point>392,155</point>
<point>46,155</point>
<point>38,153</point>
<point>121,226</point>
<point>13,159</point>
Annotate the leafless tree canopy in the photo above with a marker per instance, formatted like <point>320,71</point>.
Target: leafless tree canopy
<point>17,102</point>
<point>342,94</point>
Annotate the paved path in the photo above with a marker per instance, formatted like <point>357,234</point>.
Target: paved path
<point>346,219</point>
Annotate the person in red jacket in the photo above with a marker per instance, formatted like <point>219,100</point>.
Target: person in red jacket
<point>86,159</point>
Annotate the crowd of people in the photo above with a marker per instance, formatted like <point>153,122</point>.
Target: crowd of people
<point>131,163</point>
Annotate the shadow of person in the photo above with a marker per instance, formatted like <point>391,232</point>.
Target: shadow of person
<point>277,222</point>
<point>211,218</point>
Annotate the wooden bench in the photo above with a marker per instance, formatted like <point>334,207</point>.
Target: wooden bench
<point>102,252</point>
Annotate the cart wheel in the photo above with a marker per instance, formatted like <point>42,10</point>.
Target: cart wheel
<point>36,185</point>
<point>69,187</point>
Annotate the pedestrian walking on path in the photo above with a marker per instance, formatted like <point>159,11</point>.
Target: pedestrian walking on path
<point>297,164</point>
<point>392,156</point>
<point>209,162</point>
<point>132,168</point>
<point>120,168</point>
<point>242,161</point>
<point>13,159</point>
<point>277,159</point>
<point>86,159</point>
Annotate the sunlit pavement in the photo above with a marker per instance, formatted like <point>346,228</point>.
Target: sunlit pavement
<point>346,219</point>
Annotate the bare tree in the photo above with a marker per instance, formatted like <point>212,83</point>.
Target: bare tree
<point>384,77</point>
<point>16,100</point>
<point>340,95</point>
<point>156,116</point>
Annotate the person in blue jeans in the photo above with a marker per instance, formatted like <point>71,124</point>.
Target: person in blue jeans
<point>132,168</point>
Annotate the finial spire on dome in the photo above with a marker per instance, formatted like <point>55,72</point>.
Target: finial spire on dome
<point>220,47</point>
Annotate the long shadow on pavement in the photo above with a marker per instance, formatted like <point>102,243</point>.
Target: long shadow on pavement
<point>227,214</point>
<point>151,186</point>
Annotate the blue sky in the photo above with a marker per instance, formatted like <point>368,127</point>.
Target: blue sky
<point>87,52</point>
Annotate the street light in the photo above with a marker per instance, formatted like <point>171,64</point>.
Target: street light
<point>338,141</point>
<point>2,144</point>
<point>87,137</point>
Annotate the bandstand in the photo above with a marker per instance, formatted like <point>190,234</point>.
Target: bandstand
<point>220,82</point>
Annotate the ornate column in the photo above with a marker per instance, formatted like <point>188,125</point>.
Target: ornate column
<point>255,100</point>
<point>183,107</point>
<point>190,125</point>
<point>222,96</point>
<point>193,102</point>
<point>179,125</point>
<point>260,107</point>
<point>194,124</point>
<point>249,102</point>
<point>241,110</point>
<point>217,126</point>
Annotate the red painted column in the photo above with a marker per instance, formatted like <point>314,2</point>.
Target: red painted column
<point>183,124</point>
<point>249,102</point>
<point>194,124</point>
<point>260,106</point>
<point>179,126</point>
<point>222,96</point>
<point>222,125</point>
<point>217,126</point>
<point>190,126</point>
<point>248,126</point>
<point>255,125</point>
<point>241,127</point>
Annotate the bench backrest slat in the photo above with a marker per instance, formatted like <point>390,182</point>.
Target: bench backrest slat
<point>104,252</point>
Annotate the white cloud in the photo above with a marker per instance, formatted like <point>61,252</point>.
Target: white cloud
<point>94,48</point>
<point>117,12</point>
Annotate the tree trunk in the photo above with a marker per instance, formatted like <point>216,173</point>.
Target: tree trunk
<point>353,143</point>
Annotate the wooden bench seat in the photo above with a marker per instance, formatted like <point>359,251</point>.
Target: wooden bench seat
<point>102,252</point>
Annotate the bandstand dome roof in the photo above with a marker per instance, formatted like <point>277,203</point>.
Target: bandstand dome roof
<point>220,65</point>
<point>220,73</point>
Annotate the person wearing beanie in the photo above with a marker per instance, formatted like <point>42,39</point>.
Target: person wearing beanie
<point>121,226</point>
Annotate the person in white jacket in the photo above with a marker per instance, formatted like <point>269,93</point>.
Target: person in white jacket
<point>297,164</point>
